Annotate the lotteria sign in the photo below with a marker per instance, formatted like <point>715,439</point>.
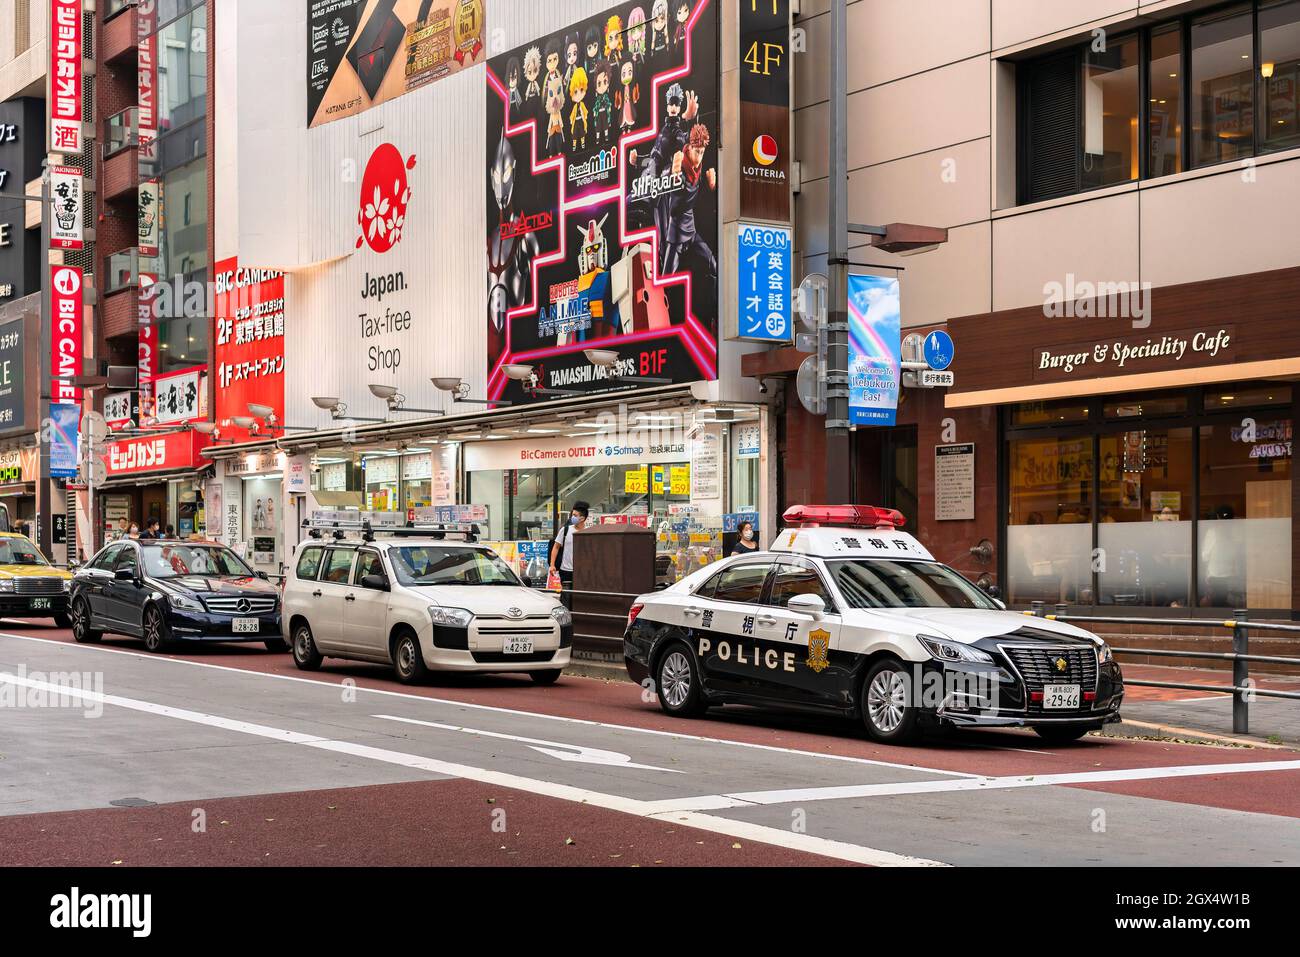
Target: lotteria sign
<point>153,453</point>
<point>67,308</point>
<point>65,76</point>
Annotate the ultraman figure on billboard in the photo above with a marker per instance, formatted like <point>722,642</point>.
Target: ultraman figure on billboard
<point>511,249</point>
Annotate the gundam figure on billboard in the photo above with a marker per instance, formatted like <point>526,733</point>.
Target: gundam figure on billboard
<point>511,248</point>
<point>594,293</point>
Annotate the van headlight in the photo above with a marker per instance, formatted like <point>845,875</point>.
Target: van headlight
<point>945,650</point>
<point>453,617</point>
<point>562,616</point>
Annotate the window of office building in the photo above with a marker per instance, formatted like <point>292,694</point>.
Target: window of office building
<point>1213,87</point>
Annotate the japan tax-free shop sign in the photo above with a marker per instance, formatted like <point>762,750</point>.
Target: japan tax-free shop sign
<point>601,185</point>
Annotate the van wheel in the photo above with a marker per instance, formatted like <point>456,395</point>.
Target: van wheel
<point>408,660</point>
<point>887,710</point>
<point>156,633</point>
<point>81,630</point>
<point>677,682</point>
<point>547,677</point>
<point>305,655</point>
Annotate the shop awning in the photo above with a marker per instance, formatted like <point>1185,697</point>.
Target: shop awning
<point>17,488</point>
<point>339,499</point>
<point>153,478</point>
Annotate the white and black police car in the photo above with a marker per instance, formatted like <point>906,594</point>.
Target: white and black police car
<point>846,614</point>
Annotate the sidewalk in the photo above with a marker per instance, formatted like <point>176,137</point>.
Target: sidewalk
<point>1168,712</point>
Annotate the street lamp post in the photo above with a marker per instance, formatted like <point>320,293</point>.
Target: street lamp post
<point>839,477</point>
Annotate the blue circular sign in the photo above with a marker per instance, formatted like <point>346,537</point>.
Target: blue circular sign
<point>939,350</point>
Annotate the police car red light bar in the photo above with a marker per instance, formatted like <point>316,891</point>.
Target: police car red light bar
<point>848,516</point>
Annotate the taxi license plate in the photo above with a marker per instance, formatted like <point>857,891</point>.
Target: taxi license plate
<point>1061,697</point>
<point>39,603</point>
<point>247,626</point>
<point>517,646</point>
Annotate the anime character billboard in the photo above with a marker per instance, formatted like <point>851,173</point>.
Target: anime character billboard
<point>602,192</point>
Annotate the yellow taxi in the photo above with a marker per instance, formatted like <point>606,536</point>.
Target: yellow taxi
<point>30,587</point>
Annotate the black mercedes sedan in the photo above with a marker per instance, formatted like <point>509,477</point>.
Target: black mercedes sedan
<point>166,591</point>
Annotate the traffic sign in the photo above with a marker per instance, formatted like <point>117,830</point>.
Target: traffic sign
<point>935,378</point>
<point>939,350</point>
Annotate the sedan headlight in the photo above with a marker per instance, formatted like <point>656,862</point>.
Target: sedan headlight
<point>562,616</point>
<point>7,584</point>
<point>455,617</point>
<point>185,603</point>
<point>67,584</point>
<point>1104,654</point>
<point>946,650</point>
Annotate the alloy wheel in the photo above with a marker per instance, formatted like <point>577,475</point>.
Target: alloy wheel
<point>887,700</point>
<point>675,679</point>
<point>79,620</point>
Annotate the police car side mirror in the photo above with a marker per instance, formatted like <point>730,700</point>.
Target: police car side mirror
<point>811,605</point>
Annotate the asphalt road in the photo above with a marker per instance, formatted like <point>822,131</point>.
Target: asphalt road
<point>229,755</point>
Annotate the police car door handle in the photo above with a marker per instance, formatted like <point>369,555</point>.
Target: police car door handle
<point>765,620</point>
<point>691,611</point>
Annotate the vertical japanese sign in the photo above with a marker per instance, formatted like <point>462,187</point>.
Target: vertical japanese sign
<point>875,350</point>
<point>147,339</point>
<point>65,76</point>
<point>146,81</point>
<point>764,147</point>
<point>178,396</point>
<point>68,312</point>
<point>248,353</point>
<point>66,187</point>
<point>764,264</point>
<point>149,198</point>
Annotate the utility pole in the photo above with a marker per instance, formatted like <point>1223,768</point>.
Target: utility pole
<point>839,464</point>
<point>44,484</point>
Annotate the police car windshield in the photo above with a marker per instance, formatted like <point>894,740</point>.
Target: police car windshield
<point>417,565</point>
<point>169,561</point>
<point>880,583</point>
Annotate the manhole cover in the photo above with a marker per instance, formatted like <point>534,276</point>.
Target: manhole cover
<point>132,802</point>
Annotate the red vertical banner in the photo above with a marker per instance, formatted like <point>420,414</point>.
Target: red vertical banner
<point>248,344</point>
<point>67,327</point>
<point>65,76</point>
<point>146,80</point>
<point>147,367</point>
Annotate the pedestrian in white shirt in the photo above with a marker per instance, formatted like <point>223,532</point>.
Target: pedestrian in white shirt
<point>562,549</point>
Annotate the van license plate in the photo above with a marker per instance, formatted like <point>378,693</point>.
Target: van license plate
<point>247,626</point>
<point>1061,697</point>
<point>517,646</point>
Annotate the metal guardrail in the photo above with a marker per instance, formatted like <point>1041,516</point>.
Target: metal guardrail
<point>1240,656</point>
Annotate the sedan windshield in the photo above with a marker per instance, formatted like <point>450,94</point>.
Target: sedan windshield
<point>20,551</point>
<point>416,565</point>
<point>171,560</point>
<point>878,583</point>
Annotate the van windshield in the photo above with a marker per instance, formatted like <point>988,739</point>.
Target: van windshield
<point>418,565</point>
<point>880,583</point>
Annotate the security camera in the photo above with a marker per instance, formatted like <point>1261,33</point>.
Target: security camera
<point>327,402</point>
<point>518,371</point>
<point>446,383</point>
<point>207,428</point>
<point>262,411</point>
<point>383,391</point>
<point>762,386</point>
<point>246,422</point>
<point>601,357</point>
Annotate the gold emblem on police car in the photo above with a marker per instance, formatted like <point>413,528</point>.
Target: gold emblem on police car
<point>819,646</point>
<point>1061,664</point>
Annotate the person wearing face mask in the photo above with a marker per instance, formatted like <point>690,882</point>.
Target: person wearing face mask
<point>747,541</point>
<point>562,548</point>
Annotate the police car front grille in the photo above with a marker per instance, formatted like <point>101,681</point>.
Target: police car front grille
<point>230,606</point>
<point>1038,667</point>
<point>38,586</point>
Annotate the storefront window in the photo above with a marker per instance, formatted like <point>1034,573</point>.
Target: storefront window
<point>1049,522</point>
<point>608,489</point>
<point>489,488</point>
<point>1244,533</point>
<point>417,476</point>
<point>532,507</point>
<point>381,482</point>
<point>1049,413</point>
<point>1144,534</point>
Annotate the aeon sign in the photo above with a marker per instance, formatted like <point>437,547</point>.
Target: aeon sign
<point>385,194</point>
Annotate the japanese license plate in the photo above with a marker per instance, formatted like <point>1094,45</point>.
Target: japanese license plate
<point>40,603</point>
<point>517,646</point>
<point>246,626</point>
<point>1061,697</point>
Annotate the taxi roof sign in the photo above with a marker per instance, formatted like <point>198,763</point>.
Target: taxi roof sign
<point>843,516</point>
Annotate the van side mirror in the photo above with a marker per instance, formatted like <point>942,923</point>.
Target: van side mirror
<point>811,605</point>
<point>375,582</point>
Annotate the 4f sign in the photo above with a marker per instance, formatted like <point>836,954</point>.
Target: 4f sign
<point>65,76</point>
<point>68,313</point>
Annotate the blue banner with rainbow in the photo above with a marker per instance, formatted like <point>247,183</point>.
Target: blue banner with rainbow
<point>875,350</point>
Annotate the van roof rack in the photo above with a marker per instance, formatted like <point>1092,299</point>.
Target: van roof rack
<point>469,531</point>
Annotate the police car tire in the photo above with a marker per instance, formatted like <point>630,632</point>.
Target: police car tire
<point>905,730</point>
<point>305,655</point>
<point>678,661</point>
<point>408,660</point>
<point>1060,734</point>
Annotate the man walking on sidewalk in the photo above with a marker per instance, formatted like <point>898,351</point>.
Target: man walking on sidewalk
<point>562,549</point>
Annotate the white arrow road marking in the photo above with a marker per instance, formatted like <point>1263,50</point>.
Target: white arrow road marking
<point>779,837</point>
<point>555,749</point>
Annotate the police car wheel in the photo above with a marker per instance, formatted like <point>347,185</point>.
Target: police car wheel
<point>886,711</point>
<point>677,682</point>
<point>1060,734</point>
<point>408,660</point>
<point>305,655</point>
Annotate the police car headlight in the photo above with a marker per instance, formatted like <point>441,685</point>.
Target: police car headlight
<point>945,650</point>
<point>184,603</point>
<point>454,617</point>
<point>562,616</point>
<point>1104,654</point>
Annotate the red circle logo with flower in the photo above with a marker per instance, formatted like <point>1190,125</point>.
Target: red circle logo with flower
<point>385,195</point>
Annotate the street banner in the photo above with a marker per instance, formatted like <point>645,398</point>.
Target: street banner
<point>764,267</point>
<point>67,310</point>
<point>602,197</point>
<point>149,200</point>
<point>65,42</point>
<point>66,189</point>
<point>248,351</point>
<point>354,47</point>
<point>64,424</point>
<point>875,350</point>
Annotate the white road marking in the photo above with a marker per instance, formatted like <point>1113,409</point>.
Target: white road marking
<point>145,656</point>
<point>556,749</point>
<point>849,791</point>
<point>739,829</point>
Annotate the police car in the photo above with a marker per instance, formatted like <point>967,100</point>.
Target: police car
<point>420,600</point>
<point>846,614</point>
